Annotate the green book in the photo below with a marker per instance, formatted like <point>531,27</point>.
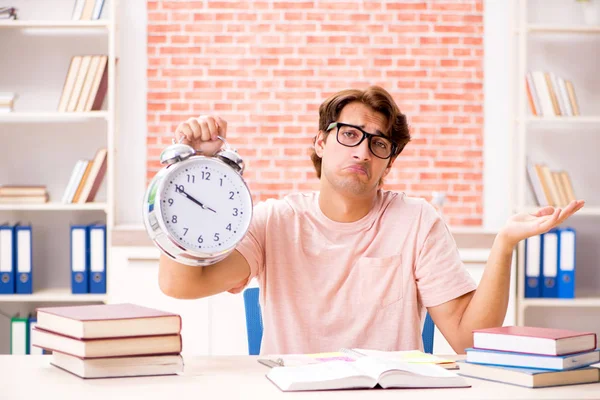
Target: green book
<point>19,335</point>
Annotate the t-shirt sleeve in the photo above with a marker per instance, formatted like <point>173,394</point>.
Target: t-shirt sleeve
<point>440,273</point>
<point>252,246</point>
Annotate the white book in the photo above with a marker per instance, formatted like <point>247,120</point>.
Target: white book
<point>67,193</point>
<point>544,93</point>
<point>78,177</point>
<point>363,373</point>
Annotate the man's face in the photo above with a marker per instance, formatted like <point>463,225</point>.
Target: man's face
<point>353,170</point>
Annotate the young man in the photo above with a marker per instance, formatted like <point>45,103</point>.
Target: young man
<point>353,265</point>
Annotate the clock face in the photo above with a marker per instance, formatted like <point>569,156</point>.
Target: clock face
<point>206,206</point>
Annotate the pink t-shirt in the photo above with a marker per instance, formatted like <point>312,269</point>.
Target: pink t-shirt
<point>325,285</point>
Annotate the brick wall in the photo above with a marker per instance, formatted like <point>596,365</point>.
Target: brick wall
<point>266,66</point>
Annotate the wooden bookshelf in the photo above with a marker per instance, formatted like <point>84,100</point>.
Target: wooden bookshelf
<point>59,295</point>
<point>51,116</point>
<point>54,24</point>
<point>55,207</point>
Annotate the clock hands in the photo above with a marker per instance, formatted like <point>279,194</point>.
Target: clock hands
<point>194,200</point>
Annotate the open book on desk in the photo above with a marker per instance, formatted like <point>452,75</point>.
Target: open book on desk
<point>363,373</point>
<point>410,356</point>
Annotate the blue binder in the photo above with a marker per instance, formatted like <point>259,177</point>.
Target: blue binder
<point>97,250</point>
<point>79,259</point>
<point>566,263</point>
<point>24,259</point>
<point>533,266</point>
<point>7,260</point>
<point>550,263</point>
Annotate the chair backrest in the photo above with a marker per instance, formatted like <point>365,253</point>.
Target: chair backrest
<point>254,326</point>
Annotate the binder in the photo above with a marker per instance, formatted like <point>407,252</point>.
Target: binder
<point>24,255</point>
<point>550,263</point>
<point>97,246</point>
<point>19,335</point>
<point>7,260</point>
<point>566,263</point>
<point>79,259</point>
<point>32,349</point>
<point>533,265</point>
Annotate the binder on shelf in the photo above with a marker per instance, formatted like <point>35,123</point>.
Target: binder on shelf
<point>533,265</point>
<point>566,263</point>
<point>19,335</point>
<point>97,250</point>
<point>23,269</point>
<point>79,259</point>
<point>7,260</point>
<point>550,263</point>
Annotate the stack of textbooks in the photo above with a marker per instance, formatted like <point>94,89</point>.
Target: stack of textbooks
<point>23,194</point>
<point>110,340</point>
<point>533,357</point>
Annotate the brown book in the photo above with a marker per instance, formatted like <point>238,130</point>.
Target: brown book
<point>94,178</point>
<point>530,98</point>
<point>566,180</point>
<point>114,367</point>
<point>539,170</point>
<point>37,199</point>
<point>552,92</point>
<point>84,178</point>
<point>22,190</point>
<point>99,87</point>
<point>551,186</point>
<point>562,194</point>
<point>79,81</point>
<point>108,320</point>
<point>572,98</point>
<point>87,84</point>
<point>69,83</point>
<point>106,347</point>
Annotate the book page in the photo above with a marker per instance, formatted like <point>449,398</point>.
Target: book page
<point>410,356</point>
<point>378,366</point>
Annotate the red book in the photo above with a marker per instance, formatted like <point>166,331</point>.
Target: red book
<point>534,340</point>
<point>107,321</point>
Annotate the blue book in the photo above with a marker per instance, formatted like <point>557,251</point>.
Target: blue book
<point>566,263</point>
<point>529,377</point>
<point>515,359</point>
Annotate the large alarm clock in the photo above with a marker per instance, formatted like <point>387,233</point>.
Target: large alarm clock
<point>198,208</point>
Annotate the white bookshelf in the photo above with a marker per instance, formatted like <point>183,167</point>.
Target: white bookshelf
<point>549,35</point>
<point>40,145</point>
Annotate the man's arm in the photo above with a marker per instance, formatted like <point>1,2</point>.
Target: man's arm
<point>486,306</point>
<point>482,308</point>
<point>187,282</point>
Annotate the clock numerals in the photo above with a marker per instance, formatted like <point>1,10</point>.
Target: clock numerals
<point>221,181</point>
<point>205,175</point>
<point>200,240</point>
<point>174,219</point>
<point>235,212</point>
<point>186,231</point>
<point>231,195</point>
<point>170,201</point>
<point>179,188</point>
<point>191,178</point>
<point>216,237</point>
<point>228,227</point>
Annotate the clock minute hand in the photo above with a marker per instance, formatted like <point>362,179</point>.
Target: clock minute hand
<point>196,201</point>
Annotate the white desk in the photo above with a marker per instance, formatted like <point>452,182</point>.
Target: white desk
<point>224,378</point>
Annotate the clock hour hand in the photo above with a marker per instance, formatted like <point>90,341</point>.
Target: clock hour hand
<point>195,201</point>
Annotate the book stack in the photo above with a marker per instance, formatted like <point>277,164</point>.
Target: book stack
<point>86,178</point>
<point>550,95</point>
<point>533,357</point>
<point>19,194</point>
<point>110,340</point>
<point>85,84</point>
<point>550,187</point>
<point>7,102</point>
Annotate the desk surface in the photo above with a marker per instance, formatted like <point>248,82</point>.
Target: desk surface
<point>229,377</point>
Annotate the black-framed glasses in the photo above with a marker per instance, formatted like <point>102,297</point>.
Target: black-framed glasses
<point>352,136</point>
